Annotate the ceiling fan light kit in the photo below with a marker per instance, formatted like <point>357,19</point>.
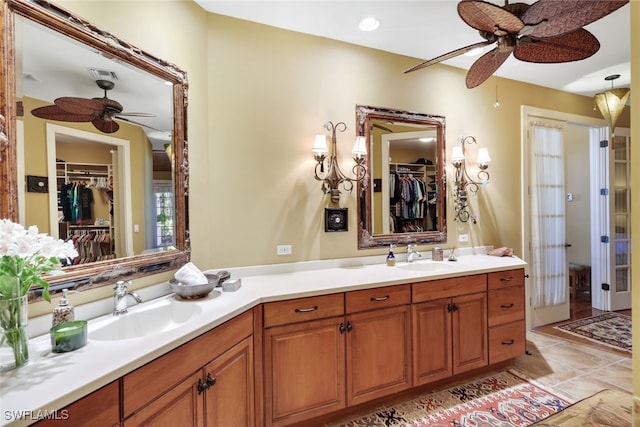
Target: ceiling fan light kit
<point>547,31</point>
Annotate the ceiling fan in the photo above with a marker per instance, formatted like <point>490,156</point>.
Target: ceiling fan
<point>101,112</point>
<point>547,31</point>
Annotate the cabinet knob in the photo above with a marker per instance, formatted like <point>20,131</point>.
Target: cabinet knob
<point>210,380</point>
<point>508,342</point>
<point>306,310</point>
<point>506,279</point>
<point>342,328</point>
<point>506,306</point>
<point>378,299</point>
<point>202,387</point>
<point>349,327</point>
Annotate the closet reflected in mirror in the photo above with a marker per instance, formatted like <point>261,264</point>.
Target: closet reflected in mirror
<point>97,150</point>
<point>101,185</point>
<point>404,200</point>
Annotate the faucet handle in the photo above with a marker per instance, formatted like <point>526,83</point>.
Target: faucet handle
<point>121,286</point>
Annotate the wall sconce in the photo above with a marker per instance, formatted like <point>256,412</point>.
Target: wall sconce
<point>611,103</point>
<point>463,181</point>
<point>333,177</point>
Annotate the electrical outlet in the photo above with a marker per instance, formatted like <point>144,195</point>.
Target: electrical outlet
<point>283,250</point>
<point>463,238</point>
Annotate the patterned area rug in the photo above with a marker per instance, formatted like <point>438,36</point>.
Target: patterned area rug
<point>502,400</point>
<point>611,329</point>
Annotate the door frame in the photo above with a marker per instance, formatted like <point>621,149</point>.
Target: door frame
<point>527,113</point>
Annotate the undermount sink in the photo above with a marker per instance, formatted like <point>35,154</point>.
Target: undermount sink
<point>143,320</point>
<point>427,266</point>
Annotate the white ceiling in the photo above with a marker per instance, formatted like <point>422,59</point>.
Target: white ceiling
<point>425,29</point>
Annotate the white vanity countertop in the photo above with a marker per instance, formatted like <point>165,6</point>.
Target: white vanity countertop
<point>51,381</point>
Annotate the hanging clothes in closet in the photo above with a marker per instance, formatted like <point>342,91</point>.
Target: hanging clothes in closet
<point>77,200</point>
<point>407,196</point>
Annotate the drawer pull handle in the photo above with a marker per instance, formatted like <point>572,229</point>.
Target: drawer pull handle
<point>378,299</point>
<point>507,306</point>
<point>306,310</point>
<point>508,342</point>
<point>506,279</point>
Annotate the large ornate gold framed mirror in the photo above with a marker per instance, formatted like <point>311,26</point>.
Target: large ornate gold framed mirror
<point>139,170</point>
<point>404,198</point>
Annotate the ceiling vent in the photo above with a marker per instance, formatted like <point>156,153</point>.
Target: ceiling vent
<point>103,74</point>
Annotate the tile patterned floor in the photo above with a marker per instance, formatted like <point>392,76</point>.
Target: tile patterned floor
<point>574,370</point>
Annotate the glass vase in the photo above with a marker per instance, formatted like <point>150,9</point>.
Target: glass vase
<point>14,340</point>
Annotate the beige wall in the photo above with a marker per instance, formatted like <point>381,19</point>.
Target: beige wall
<point>266,103</point>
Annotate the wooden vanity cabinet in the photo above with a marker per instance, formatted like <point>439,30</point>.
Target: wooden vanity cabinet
<point>506,307</point>
<point>449,327</point>
<point>208,381</point>
<point>100,408</point>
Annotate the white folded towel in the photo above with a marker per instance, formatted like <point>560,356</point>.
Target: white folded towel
<point>189,274</point>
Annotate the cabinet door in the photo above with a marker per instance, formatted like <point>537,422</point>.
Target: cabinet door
<point>378,353</point>
<point>230,400</point>
<point>304,370</point>
<point>182,405</point>
<point>432,353</point>
<point>470,349</point>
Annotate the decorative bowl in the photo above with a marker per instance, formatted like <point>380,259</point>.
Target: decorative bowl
<point>194,291</point>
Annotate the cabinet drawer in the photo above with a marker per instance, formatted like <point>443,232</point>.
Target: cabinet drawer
<point>446,288</point>
<point>506,305</point>
<point>503,279</point>
<point>303,309</point>
<point>369,299</point>
<point>506,341</point>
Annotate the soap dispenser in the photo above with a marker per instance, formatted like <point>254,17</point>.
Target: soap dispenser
<point>64,311</point>
<point>391,258</point>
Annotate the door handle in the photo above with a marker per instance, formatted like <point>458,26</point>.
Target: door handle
<point>567,245</point>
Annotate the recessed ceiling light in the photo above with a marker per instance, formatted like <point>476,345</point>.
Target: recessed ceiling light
<point>474,52</point>
<point>369,24</point>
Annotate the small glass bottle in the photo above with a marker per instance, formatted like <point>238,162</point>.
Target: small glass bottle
<point>64,311</point>
<point>391,258</point>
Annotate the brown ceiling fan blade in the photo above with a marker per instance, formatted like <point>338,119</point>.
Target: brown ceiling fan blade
<point>449,55</point>
<point>556,17</point>
<point>106,126</point>
<point>574,46</point>
<point>53,112</point>
<point>137,123</point>
<point>79,105</point>
<point>136,114</point>
<point>488,17</point>
<point>485,66</point>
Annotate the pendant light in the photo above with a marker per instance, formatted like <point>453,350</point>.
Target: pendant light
<point>612,102</point>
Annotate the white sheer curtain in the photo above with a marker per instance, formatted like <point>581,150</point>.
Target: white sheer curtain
<point>548,215</point>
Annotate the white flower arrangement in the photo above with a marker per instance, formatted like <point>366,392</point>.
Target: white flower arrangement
<point>25,255</point>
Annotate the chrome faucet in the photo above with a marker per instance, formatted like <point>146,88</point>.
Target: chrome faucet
<point>412,254</point>
<point>120,297</point>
